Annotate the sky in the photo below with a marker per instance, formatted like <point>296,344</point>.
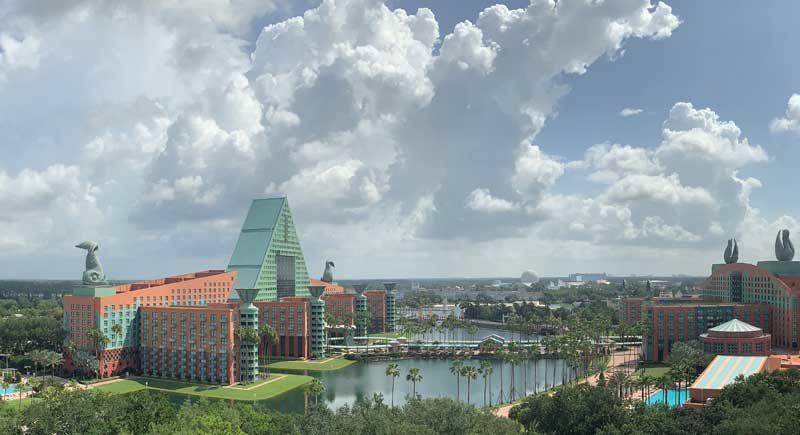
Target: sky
<point>412,138</point>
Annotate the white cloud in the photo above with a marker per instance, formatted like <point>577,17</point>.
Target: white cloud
<point>659,188</point>
<point>791,118</point>
<point>626,112</point>
<point>482,200</point>
<point>42,208</point>
<point>367,117</point>
<point>610,162</point>
<point>534,171</point>
<point>685,191</point>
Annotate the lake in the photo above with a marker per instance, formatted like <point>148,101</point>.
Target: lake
<point>463,334</point>
<point>361,380</point>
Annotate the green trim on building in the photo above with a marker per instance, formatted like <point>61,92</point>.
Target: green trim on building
<point>391,311</point>
<point>362,316</point>
<point>94,291</point>
<point>316,346</point>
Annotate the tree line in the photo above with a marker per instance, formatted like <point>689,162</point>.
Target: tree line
<point>147,412</point>
<point>764,403</point>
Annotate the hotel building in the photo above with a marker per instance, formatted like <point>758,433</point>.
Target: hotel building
<point>765,295</point>
<point>183,326</point>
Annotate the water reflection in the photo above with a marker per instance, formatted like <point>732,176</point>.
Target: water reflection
<point>360,381</point>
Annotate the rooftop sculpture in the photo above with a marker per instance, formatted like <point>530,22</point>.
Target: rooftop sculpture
<point>93,275</point>
<point>784,250</point>
<point>731,252</point>
<point>327,276</point>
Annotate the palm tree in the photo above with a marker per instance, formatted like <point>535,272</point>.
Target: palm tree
<point>513,358</point>
<point>414,376</point>
<point>53,359</point>
<point>553,347</point>
<point>645,382</point>
<point>534,352</point>
<point>455,369</point>
<point>620,381</point>
<point>314,388</point>
<point>116,328</point>
<point>472,329</point>
<point>665,383</point>
<point>393,370</point>
<point>501,355</point>
<point>20,388</point>
<point>4,384</point>
<point>37,356</point>
<point>486,372</point>
<point>268,336</point>
<point>100,341</point>
<point>471,373</point>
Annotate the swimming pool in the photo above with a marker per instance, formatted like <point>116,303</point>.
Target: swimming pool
<point>675,397</point>
<point>9,390</point>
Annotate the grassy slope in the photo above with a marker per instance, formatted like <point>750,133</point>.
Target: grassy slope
<point>264,390</point>
<point>333,364</point>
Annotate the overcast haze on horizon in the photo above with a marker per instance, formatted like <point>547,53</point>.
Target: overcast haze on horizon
<point>413,138</point>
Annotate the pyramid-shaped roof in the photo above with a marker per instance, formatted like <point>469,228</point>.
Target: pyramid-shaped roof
<point>254,240</point>
<point>735,325</point>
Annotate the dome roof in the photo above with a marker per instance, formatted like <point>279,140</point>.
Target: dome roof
<point>735,325</point>
<point>529,276</point>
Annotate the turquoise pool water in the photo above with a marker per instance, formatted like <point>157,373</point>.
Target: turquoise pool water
<point>9,390</point>
<point>675,397</point>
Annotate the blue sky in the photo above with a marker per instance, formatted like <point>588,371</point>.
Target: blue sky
<point>735,57</point>
<point>409,144</point>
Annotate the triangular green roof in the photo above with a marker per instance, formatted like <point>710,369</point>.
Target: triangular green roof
<point>735,325</point>
<point>251,248</point>
<point>268,234</point>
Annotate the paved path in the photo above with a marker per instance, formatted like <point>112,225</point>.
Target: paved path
<point>112,381</point>
<point>618,360</point>
<point>256,385</point>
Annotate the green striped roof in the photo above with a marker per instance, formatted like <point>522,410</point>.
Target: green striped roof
<point>254,239</point>
<point>723,370</point>
<point>735,325</point>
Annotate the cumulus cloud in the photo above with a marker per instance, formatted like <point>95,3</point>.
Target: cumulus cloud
<point>687,190</point>
<point>380,126</point>
<point>791,118</point>
<point>42,208</point>
<point>482,200</point>
<point>626,112</point>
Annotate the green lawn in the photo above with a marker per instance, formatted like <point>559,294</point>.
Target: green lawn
<point>326,365</point>
<point>14,403</point>
<point>275,385</point>
<point>656,370</point>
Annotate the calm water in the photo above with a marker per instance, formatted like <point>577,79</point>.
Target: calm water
<point>463,334</point>
<point>360,381</point>
<point>675,397</point>
<point>9,390</point>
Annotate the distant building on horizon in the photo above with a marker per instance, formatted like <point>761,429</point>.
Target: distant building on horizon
<point>765,296</point>
<point>586,277</point>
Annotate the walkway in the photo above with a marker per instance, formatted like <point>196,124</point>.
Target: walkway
<point>255,385</point>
